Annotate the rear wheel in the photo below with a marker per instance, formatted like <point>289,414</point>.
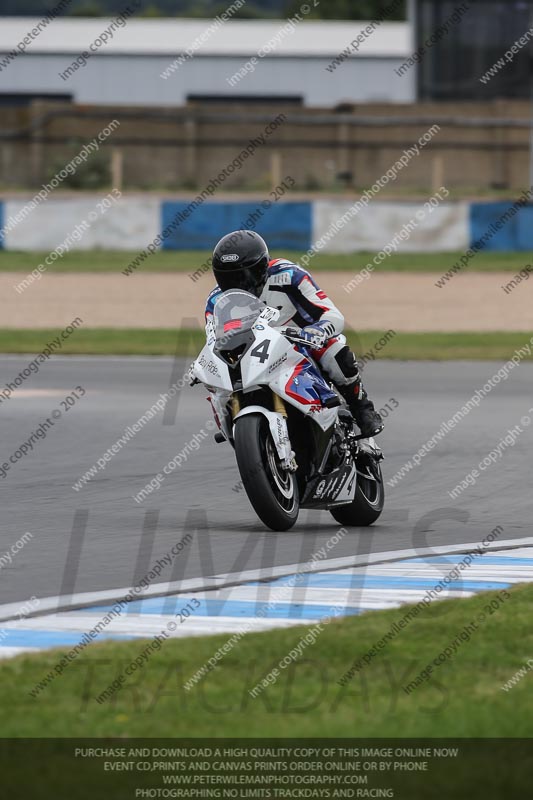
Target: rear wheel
<point>369,499</point>
<point>271,489</point>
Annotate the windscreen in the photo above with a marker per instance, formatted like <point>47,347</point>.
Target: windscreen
<point>235,312</point>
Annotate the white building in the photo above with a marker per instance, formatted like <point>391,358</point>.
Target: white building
<point>290,61</point>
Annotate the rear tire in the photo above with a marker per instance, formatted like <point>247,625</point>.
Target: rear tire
<point>272,491</point>
<point>367,504</point>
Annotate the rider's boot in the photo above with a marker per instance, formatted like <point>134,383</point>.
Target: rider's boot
<point>368,420</point>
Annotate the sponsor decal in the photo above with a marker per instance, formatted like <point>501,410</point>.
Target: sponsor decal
<point>277,363</point>
<point>269,314</point>
<point>281,431</point>
<point>319,491</point>
<point>282,279</point>
<point>229,257</point>
<point>210,366</point>
<point>331,487</point>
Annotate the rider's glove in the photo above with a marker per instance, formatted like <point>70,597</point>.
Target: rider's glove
<point>315,334</point>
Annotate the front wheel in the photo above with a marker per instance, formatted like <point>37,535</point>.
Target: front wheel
<point>369,499</point>
<point>271,489</point>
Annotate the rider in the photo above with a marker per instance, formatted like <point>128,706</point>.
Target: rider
<point>241,261</point>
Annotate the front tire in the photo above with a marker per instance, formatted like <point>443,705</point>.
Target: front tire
<point>272,491</point>
<point>368,502</point>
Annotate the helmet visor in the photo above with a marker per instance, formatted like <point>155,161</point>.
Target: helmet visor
<point>250,279</point>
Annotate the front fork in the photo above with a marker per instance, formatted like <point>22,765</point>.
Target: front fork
<point>278,404</point>
<point>235,401</point>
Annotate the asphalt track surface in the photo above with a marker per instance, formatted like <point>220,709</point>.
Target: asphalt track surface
<point>100,538</point>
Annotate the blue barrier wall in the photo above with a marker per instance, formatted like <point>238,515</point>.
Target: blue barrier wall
<point>516,233</point>
<point>284,225</point>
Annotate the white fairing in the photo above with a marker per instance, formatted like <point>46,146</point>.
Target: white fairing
<point>278,429</point>
<point>211,370</point>
<point>270,361</point>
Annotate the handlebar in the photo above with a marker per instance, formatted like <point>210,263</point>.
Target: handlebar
<point>293,335</point>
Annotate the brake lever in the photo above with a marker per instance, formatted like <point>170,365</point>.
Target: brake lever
<point>293,334</point>
<point>290,333</point>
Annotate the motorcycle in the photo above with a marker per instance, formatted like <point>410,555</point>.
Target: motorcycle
<point>296,443</point>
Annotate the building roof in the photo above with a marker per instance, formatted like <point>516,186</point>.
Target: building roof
<point>309,38</point>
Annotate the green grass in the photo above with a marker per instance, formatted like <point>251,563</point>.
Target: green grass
<point>463,697</point>
<point>189,261</point>
<point>495,346</point>
<point>105,341</point>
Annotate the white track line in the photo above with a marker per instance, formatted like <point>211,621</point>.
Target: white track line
<point>82,599</point>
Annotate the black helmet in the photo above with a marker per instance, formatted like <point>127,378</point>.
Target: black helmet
<point>240,261</point>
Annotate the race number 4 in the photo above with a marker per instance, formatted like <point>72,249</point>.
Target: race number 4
<point>261,351</point>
